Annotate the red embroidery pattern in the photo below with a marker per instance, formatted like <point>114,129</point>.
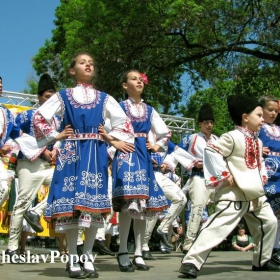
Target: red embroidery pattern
<point>252,153</point>
<point>41,126</point>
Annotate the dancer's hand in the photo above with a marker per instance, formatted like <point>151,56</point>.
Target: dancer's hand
<point>67,131</point>
<point>5,149</point>
<point>266,151</point>
<point>48,155</point>
<point>123,146</point>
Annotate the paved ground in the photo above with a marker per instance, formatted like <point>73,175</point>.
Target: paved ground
<point>227,265</point>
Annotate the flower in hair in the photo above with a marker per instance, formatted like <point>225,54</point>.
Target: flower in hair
<point>144,78</point>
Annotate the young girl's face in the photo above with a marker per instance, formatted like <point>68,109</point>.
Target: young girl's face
<point>254,120</point>
<point>134,85</point>
<point>270,111</point>
<point>83,69</point>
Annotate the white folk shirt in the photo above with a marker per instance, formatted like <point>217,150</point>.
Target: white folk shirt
<point>238,153</point>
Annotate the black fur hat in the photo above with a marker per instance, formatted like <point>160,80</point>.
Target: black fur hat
<point>239,105</point>
<point>206,113</point>
<point>45,84</point>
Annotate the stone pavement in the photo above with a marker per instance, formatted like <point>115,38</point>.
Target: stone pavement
<point>229,265</point>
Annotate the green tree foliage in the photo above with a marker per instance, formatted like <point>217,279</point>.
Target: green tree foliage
<point>250,80</point>
<point>166,39</point>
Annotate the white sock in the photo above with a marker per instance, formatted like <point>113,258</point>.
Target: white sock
<point>139,227</point>
<point>124,227</point>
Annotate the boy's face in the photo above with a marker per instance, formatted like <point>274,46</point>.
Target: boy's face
<point>206,126</point>
<point>45,96</point>
<point>254,120</point>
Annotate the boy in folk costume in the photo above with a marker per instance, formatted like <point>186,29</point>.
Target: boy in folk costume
<point>189,153</point>
<point>172,192</point>
<point>6,127</point>
<point>233,166</point>
<point>33,169</point>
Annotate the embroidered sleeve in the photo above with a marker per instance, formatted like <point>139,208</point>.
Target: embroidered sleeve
<point>121,127</point>
<point>44,131</point>
<point>162,132</point>
<point>29,147</point>
<point>43,121</point>
<point>170,162</point>
<point>214,166</point>
<point>185,158</point>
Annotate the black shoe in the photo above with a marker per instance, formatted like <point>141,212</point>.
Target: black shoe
<point>275,250</point>
<point>268,266</point>
<point>102,249</point>
<point>140,266</point>
<point>276,255</point>
<point>15,257</point>
<point>146,255</point>
<point>189,270</point>
<point>78,274</point>
<point>125,268</point>
<point>185,252</point>
<point>33,220</point>
<point>90,273</point>
<point>163,237</point>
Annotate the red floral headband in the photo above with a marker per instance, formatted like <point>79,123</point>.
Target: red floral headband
<point>144,78</point>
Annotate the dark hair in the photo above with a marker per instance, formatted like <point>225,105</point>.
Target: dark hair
<point>47,90</point>
<point>266,98</point>
<point>240,226</point>
<point>124,76</point>
<point>0,78</point>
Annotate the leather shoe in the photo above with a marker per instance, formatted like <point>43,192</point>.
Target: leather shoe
<point>163,237</point>
<point>14,257</point>
<point>276,255</point>
<point>33,220</point>
<point>139,266</point>
<point>189,270</point>
<point>78,274</point>
<point>268,266</point>
<point>102,249</point>
<point>90,273</point>
<point>146,255</point>
<point>124,268</point>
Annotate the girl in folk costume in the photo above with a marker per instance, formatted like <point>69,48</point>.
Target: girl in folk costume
<point>136,193</point>
<point>270,136</point>
<point>78,194</point>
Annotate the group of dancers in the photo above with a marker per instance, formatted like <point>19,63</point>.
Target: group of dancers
<point>82,131</point>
